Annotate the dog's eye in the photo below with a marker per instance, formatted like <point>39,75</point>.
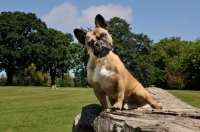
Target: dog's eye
<point>103,35</point>
<point>90,43</point>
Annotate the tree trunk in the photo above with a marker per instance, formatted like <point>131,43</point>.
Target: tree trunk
<point>176,116</point>
<point>9,74</point>
<point>53,77</point>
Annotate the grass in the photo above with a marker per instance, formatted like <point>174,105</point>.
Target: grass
<point>39,109</point>
<point>190,97</point>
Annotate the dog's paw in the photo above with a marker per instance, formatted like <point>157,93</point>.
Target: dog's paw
<point>117,106</point>
<point>156,106</point>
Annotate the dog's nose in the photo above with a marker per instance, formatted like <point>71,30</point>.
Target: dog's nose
<point>100,43</point>
<point>97,44</point>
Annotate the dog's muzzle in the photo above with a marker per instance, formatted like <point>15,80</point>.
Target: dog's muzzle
<point>102,48</point>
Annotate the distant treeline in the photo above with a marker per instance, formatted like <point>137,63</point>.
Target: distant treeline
<point>32,54</point>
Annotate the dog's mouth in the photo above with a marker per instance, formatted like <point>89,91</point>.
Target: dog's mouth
<point>102,48</point>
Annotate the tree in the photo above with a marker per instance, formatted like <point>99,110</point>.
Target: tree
<point>80,66</point>
<point>193,65</point>
<point>57,54</point>
<point>80,61</point>
<point>170,61</point>
<point>133,49</point>
<point>21,35</point>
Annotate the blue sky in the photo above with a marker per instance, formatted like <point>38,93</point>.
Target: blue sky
<point>156,18</point>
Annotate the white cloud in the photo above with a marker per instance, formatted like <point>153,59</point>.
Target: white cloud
<point>66,16</point>
<point>61,17</point>
<point>107,11</point>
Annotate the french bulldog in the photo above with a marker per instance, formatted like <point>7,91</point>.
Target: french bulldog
<point>107,74</point>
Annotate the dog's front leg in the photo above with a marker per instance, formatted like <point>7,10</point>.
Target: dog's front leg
<point>120,95</point>
<point>102,99</point>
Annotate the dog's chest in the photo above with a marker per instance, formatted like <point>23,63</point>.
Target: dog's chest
<point>103,75</point>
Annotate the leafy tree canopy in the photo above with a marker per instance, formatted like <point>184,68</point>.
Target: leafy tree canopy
<point>19,34</point>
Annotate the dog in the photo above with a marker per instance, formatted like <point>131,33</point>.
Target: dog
<point>107,74</point>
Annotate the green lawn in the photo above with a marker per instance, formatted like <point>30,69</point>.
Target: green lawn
<point>190,97</point>
<point>39,109</point>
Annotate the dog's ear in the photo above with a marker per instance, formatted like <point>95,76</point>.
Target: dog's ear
<point>100,22</point>
<point>80,35</point>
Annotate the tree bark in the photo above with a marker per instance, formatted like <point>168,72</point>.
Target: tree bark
<point>176,116</point>
<point>53,77</point>
<point>9,74</point>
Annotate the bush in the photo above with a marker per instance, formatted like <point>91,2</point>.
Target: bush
<point>2,80</point>
<point>176,80</point>
<point>31,77</point>
<point>67,81</point>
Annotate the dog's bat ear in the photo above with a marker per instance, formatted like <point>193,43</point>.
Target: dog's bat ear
<point>80,35</point>
<point>100,22</point>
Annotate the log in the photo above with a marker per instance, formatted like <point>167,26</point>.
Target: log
<point>175,116</point>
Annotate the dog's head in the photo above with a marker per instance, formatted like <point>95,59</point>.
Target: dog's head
<point>98,41</point>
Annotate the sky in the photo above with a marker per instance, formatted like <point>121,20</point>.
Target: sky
<point>156,18</point>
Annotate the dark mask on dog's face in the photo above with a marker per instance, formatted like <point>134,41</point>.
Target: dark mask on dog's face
<point>101,48</point>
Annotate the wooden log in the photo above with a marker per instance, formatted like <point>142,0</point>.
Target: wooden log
<point>176,116</point>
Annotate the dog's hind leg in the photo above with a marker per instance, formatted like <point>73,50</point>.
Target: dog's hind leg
<point>151,102</point>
